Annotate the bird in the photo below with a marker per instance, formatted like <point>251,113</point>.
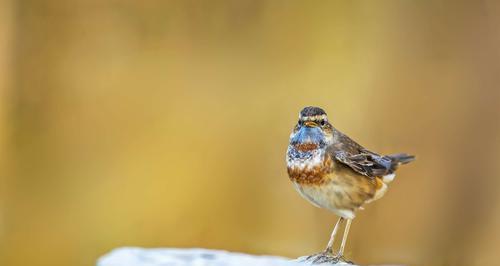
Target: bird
<point>332,171</point>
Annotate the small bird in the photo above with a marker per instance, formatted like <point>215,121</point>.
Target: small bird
<point>332,171</point>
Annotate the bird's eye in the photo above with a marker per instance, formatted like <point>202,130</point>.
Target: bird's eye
<point>300,122</point>
<point>322,122</point>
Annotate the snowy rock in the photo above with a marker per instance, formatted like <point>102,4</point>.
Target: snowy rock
<point>191,257</point>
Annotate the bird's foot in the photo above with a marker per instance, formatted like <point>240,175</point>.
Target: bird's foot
<point>325,257</point>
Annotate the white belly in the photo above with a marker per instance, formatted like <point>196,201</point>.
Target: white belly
<point>323,197</point>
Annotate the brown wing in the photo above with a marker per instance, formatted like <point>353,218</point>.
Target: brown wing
<point>363,161</point>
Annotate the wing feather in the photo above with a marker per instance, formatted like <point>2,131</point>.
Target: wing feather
<point>363,161</point>
<point>367,164</point>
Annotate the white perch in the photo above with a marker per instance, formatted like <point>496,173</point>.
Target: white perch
<point>130,256</point>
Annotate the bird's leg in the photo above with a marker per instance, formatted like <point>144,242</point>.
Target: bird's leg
<point>329,247</point>
<point>344,238</point>
<point>327,256</point>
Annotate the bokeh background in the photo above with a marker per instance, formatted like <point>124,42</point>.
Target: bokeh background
<point>165,124</point>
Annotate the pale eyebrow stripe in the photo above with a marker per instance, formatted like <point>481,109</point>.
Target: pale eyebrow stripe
<point>316,117</point>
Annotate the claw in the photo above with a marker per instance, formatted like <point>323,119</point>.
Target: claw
<point>324,257</point>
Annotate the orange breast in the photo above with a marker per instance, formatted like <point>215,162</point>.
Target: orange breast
<point>315,175</point>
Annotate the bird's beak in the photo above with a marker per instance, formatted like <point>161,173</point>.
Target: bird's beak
<point>310,124</point>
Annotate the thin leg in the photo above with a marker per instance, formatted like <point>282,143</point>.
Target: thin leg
<point>329,247</point>
<point>344,238</point>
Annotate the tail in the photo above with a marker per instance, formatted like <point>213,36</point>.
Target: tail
<point>396,160</point>
<point>401,158</point>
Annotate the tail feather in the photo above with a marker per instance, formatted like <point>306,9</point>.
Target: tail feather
<point>401,158</point>
<point>390,163</point>
<point>397,160</point>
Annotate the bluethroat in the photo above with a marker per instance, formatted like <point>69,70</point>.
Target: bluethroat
<point>332,171</point>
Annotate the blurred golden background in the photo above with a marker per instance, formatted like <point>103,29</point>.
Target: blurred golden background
<point>165,124</point>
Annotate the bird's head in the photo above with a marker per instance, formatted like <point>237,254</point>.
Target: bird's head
<point>313,130</point>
